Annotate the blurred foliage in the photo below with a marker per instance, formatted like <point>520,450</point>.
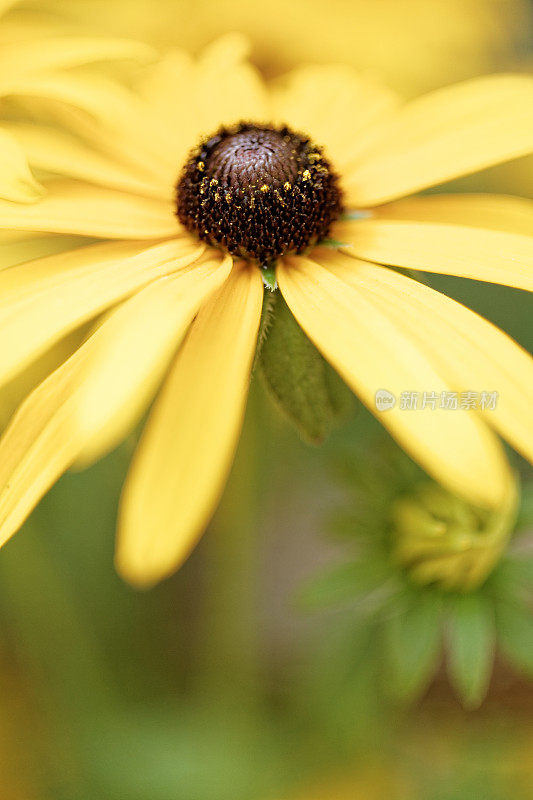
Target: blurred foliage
<point>216,684</point>
<point>425,572</point>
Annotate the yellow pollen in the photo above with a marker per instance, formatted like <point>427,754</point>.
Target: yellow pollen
<point>265,187</point>
<point>201,166</point>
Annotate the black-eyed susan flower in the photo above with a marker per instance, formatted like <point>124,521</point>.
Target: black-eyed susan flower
<point>194,190</point>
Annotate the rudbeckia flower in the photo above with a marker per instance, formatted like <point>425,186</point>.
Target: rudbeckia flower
<point>174,280</point>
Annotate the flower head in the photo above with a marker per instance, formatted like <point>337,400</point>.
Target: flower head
<point>179,283</point>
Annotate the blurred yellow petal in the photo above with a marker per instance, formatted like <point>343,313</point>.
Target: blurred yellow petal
<point>117,111</point>
<point>59,52</point>
<point>21,247</point>
<point>486,211</point>
<point>192,99</point>
<point>43,300</point>
<point>16,181</point>
<point>72,207</point>
<point>336,106</point>
<point>484,238</point>
<point>472,353</point>
<point>445,134</point>
<point>228,88</point>
<point>92,399</point>
<point>13,393</point>
<point>186,451</point>
<point>57,152</point>
<point>371,352</point>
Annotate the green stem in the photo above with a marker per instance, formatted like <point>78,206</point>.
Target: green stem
<point>228,658</point>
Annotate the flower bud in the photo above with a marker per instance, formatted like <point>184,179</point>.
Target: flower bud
<point>440,539</point>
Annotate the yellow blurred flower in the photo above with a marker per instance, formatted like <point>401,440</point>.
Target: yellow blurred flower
<point>159,283</point>
<point>414,44</point>
<point>29,62</point>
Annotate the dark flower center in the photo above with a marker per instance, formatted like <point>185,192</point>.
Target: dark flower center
<point>258,192</point>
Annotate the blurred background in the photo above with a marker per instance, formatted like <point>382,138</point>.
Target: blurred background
<point>268,668</point>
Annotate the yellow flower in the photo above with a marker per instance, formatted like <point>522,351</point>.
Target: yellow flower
<point>30,57</point>
<point>159,284</point>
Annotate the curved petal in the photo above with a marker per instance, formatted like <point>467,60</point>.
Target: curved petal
<point>194,98</point>
<point>87,404</point>
<point>135,351</point>
<point>334,104</point>
<point>16,180</point>
<point>484,238</point>
<point>115,110</point>
<point>495,212</point>
<point>371,353</point>
<point>43,300</point>
<point>20,247</point>
<point>186,451</point>
<point>228,88</point>
<point>72,207</point>
<point>443,135</point>
<point>54,151</point>
<point>471,353</point>
<point>60,52</point>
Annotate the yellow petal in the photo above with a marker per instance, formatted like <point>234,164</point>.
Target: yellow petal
<point>473,354</point>
<point>72,207</point>
<point>487,239</point>
<point>16,181</point>
<point>335,105</point>
<point>43,300</point>
<point>53,52</point>
<point>445,134</point>
<point>486,211</point>
<point>370,352</point>
<point>24,247</point>
<point>139,341</point>
<point>5,4</point>
<point>115,110</point>
<point>228,88</point>
<point>186,451</point>
<point>55,151</point>
<point>86,404</point>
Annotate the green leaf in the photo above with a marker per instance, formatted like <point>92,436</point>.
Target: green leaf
<point>302,383</point>
<point>344,583</point>
<point>413,646</point>
<point>515,635</point>
<point>471,638</point>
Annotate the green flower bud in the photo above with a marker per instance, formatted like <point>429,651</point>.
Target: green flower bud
<point>440,539</point>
